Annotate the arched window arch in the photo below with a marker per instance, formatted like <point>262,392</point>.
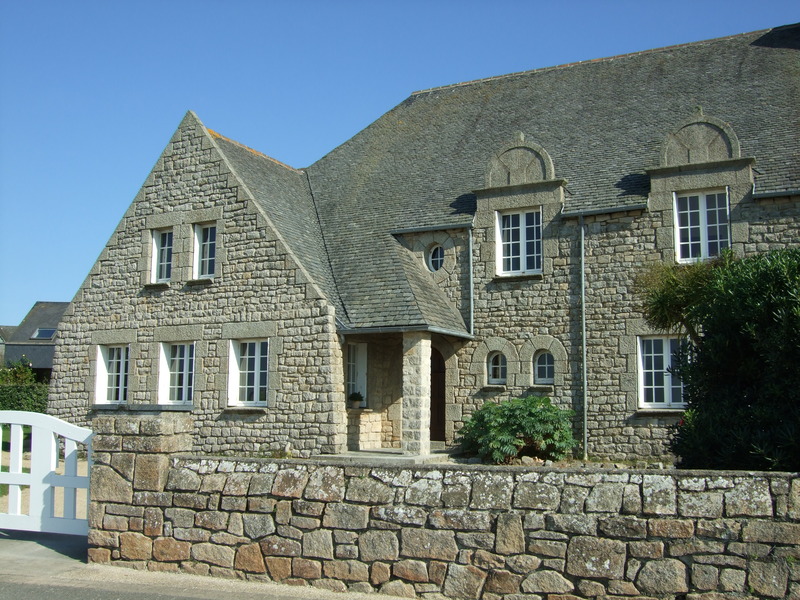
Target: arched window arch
<point>544,369</point>
<point>497,369</point>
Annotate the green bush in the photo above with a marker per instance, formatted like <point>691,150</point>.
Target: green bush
<point>740,371</point>
<point>31,397</point>
<point>19,389</point>
<point>529,426</point>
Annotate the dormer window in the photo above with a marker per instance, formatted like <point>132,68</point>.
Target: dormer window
<point>520,242</point>
<point>701,225</point>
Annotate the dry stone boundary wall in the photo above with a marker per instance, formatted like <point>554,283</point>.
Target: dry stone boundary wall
<point>445,531</point>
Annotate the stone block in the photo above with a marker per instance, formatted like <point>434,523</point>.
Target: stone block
<point>213,554</point>
<point>411,570</point>
<point>459,519</point>
<point>705,577</point>
<point>400,514</point>
<point>510,536</point>
<point>378,545</point>
<point>492,490</point>
<point>579,524</point>
<point>500,581</point>
<point>670,528</point>
<point>379,573</point>
<point>749,497</point>
<point>290,483</point>
<point>150,472</point>
<point>171,550</point>
<point>700,504</point>
<point>249,559</point>
<point>345,516</point>
<point>346,570</point>
<point>274,545</point>
<point>257,525</point>
<point>398,588</point>
<point>326,484</point>
<point>135,546</point>
<point>536,496</point>
<point>463,581</point>
<point>213,520</point>
<point>306,569</point>
<point>659,495</point>
<point>546,582</point>
<point>153,522</point>
<point>237,484</point>
<point>277,567</point>
<point>623,527</point>
<point>596,557</point>
<point>768,579</point>
<point>605,497</point>
<point>423,543</point>
<point>662,576</point>
<point>368,491</point>
<point>770,532</point>
<point>107,485</point>
<point>318,544</point>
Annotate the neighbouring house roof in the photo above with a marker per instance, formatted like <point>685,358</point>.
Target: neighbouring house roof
<point>603,123</point>
<point>34,338</point>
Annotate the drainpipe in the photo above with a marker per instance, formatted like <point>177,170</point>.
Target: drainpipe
<point>583,342</point>
<point>471,289</point>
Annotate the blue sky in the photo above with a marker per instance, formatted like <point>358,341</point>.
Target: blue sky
<point>91,91</point>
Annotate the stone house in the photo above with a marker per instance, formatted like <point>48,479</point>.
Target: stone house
<point>479,241</point>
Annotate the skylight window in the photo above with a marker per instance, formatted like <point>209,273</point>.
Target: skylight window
<point>44,333</point>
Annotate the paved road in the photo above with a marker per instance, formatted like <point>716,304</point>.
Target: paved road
<point>37,566</point>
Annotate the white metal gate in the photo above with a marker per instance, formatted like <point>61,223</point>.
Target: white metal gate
<point>43,487</point>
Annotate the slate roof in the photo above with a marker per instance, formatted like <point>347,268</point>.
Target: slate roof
<point>603,122</point>
<point>38,351</point>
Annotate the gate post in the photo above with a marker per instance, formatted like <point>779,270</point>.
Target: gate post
<point>131,463</point>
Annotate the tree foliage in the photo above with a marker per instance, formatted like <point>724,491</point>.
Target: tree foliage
<point>19,389</point>
<point>741,371</point>
<point>528,426</point>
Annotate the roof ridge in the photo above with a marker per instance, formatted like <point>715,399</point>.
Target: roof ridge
<point>591,60</point>
<point>218,135</point>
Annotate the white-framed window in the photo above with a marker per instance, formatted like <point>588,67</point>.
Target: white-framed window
<point>162,256</point>
<point>435,257</point>
<point>357,371</point>
<point>519,242</point>
<point>701,225</point>
<point>497,370</point>
<point>205,250</point>
<point>112,374</point>
<point>176,378</point>
<point>248,373</point>
<point>659,387</point>
<point>544,369</point>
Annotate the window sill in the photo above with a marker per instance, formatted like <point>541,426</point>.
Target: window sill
<point>245,409</point>
<point>162,407</point>
<point>200,282</point>
<point>109,406</point>
<point>164,285</point>
<point>494,387</point>
<point>542,387</point>
<point>516,277</point>
<point>654,412</point>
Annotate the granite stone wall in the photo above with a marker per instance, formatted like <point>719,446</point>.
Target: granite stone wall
<point>440,531</point>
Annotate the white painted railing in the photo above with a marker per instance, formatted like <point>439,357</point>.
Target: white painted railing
<point>43,488</point>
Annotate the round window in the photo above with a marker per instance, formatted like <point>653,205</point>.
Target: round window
<point>435,258</point>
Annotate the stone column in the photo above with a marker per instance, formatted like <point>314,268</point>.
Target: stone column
<point>416,393</point>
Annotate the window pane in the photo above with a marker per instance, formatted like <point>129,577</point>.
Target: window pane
<point>253,372</point>
<point>545,368</point>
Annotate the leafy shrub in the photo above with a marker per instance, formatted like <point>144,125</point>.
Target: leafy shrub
<point>529,426</point>
<point>740,373</point>
<point>19,389</point>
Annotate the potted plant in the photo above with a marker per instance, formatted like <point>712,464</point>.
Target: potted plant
<point>356,400</point>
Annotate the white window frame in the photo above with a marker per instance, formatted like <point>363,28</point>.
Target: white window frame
<point>112,374</point>
<point>520,249</point>
<point>356,376</point>
<point>177,373</point>
<point>248,374</point>
<point>496,369</point>
<point>435,258</point>
<point>163,260</point>
<point>658,387</point>
<point>544,373</point>
<point>698,227</point>
<point>205,251</point>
